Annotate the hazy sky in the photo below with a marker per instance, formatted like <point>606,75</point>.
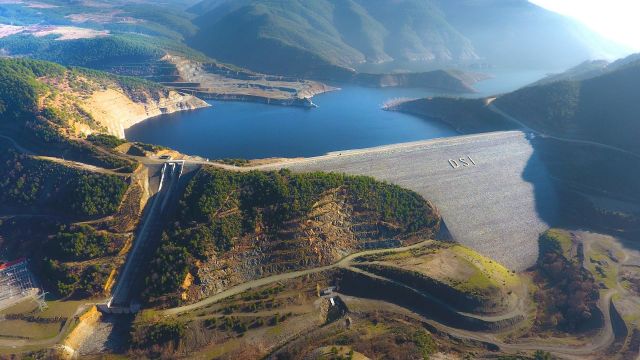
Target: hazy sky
<point>615,19</point>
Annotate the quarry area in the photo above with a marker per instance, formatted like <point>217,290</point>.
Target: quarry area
<point>215,81</point>
<point>62,32</point>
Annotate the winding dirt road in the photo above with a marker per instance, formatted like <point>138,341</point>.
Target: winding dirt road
<point>342,263</point>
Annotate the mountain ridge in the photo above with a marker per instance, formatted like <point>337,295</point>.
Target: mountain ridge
<point>336,37</point>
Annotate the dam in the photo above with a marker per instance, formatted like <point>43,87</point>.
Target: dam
<point>493,192</point>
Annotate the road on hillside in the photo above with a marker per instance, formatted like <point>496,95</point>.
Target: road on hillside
<point>597,343</point>
<point>344,262</point>
<point>525,127</point>
<point>74,164</point>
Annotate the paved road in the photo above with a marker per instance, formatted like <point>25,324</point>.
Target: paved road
<point>496,200</point>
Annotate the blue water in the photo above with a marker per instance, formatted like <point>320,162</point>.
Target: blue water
<point>351,118</point>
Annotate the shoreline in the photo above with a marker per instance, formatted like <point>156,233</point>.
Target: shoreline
<point>116,111</point>
<point>304,102</point>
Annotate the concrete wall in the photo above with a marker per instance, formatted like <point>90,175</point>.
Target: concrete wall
<point>496,199</point>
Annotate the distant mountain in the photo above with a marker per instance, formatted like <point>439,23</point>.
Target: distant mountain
<point>334,37</point>
<point>603,108</point>
<point>517,33</point>
<point>585,70</point>
<point>594,101</point>
<point>301,36</point>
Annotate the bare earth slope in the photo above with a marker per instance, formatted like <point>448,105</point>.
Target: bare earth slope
<point>498,206</point>
<point>116,111</point>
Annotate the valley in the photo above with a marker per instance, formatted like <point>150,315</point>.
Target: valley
<point>292,179</point>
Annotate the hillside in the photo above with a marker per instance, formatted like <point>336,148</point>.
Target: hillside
<point>330,38</point>
<point>594,101</point>
<point>519,34</point>
<point>465,115</point>
<point>79,102</point>
<point>86,196</point>
<point>235,227</point>
<point>603,109</point>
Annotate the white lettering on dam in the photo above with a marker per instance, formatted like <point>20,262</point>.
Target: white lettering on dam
<point>462,162</point>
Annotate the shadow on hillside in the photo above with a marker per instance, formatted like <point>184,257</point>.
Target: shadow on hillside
<point>546,193</point>
<point>585,186</point>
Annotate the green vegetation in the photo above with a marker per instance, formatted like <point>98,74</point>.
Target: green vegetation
<point>327,36</point>
<point>558,241</point>
<point>235,162</point>
<point>93,279</point>
<point>425,343</point>
<point>165,334</point>
<point>19,90</point>
<point>79,243</point>
<point>219,207</point>
<point>467,280</point>
<point>25,181</point>
<point>65,280</point>
<point>568,293</point>
<point>587,109</point>
<point>537,355</point>
<point>97,52</point>
<point>76,243</point>
<point>290,195</point>
<point>59,277</point>
<point>22,90</point>
<point>464,115</point>
<point>105,140</point>
<point>97,194</point>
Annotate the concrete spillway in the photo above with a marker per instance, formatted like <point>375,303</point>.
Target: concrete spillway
<point>493,192</point>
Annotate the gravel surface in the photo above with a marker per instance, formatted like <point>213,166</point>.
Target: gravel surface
<point>498,206</point>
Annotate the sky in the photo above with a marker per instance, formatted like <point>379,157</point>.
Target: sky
<point>614,19</point>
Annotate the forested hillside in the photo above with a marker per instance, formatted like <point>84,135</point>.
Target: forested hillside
<point>98,52</point>
<point>260,223</point>
<point>268,35</point>
<point>604,108</point>
<point>31,183</point>
<point>323,37</point>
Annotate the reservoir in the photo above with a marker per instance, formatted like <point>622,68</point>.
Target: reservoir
<point>351,118</point>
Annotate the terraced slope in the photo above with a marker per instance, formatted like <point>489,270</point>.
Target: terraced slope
<point>232,228</point>
<point>497,199</point>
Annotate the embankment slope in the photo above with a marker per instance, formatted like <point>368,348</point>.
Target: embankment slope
<point>498,206</point>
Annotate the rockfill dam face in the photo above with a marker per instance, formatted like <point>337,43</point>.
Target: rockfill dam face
<point>493,192</point>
